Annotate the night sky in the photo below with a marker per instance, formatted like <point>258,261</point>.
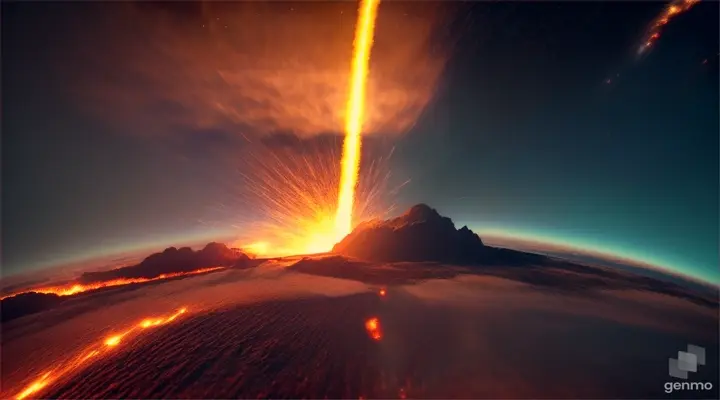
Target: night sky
<point>540,122</point>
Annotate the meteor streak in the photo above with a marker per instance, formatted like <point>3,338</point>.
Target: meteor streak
<point>355,114</point>
<point>673,9</point>
<point>75,363</point>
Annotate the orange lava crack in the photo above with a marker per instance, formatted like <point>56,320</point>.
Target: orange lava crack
<point>75,288</point>
<point>93,352</point>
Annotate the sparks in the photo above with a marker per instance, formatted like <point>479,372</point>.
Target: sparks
<point>372,326</point>
<point>75,288</point>
<point>295,191</point>
<point>307,202</point>
<point>673,9</point>
<point>350,164</point>
<point>75,363</point>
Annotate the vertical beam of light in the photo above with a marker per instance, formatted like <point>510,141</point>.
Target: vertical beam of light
<point>355,113</point>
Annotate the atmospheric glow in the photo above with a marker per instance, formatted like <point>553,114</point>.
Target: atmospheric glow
<point>73,364</point>
<point>593,247</point>
<point>350,164</point>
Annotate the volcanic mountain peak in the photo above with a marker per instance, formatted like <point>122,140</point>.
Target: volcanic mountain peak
<point>420,213</point>
<point>421,234</point>
<point>173,260</point>
<point>218,253</point>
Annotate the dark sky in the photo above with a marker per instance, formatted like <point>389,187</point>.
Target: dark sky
<point>118,132</point>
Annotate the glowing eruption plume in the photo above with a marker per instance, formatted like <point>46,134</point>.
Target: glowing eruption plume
<point>350,164</point>
<point>302,202</point>
<point>673,9</point>
<point>293,192</point>
<point>75,363</point>
<point>256,248</point>
<point>75,288</point>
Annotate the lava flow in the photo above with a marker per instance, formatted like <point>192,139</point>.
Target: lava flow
<point>350,164</point>
<point>75,288</point>
<point>93,352</point>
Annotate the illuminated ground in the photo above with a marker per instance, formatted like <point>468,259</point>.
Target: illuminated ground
<point>284,329</point>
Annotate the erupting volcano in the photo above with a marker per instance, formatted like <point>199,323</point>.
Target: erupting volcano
<point>205,208</point>
<point>300,191</point>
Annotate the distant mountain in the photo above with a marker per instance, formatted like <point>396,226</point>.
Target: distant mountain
<point>422,234</point>
<point>170,261</point>
<point>27,303</point>
<point>173,260</point>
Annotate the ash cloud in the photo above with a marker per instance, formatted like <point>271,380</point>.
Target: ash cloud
<point>255,69</point>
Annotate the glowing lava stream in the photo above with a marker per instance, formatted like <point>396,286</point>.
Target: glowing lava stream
<point>355,114</point>
<point>93,352</point>
<point>75,288</point>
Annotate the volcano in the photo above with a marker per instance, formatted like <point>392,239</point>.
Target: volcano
<point>422,234</point>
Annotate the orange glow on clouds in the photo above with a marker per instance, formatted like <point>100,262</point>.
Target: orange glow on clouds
<point>258,68</point>
<point>75,363</point>
<point>256,248</point>
<point>75,288</point>
<point>254,70</point>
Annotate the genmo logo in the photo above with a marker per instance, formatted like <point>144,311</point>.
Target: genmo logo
<point>685,363</point>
